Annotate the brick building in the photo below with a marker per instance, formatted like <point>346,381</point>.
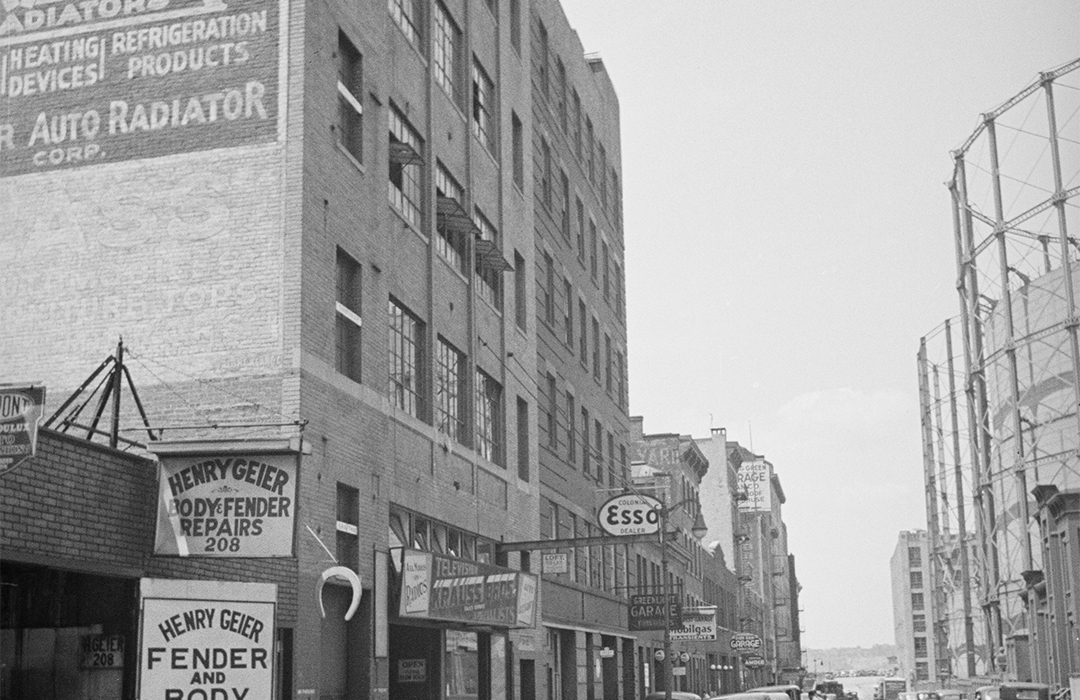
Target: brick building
<point>388,230</point>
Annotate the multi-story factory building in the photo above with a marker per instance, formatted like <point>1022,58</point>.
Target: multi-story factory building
<point>913,614</point>
<point>385,234</point>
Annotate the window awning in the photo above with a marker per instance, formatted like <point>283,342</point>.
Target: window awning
<point>489,256</point>
<point>451,217</point>
<point>402,153</point>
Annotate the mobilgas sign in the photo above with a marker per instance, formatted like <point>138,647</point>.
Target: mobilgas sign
<point>20,411</point>
<point>744,642</point>
<point>112,80</point>
<point>444,588</point>
<point>630,514</point>
<point>206,639</point>
<point>696,626</point>
<point>226,505</point>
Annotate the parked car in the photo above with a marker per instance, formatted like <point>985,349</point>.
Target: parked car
<point>1013,691</point>
<point>751,695</point>
<point>793,692</point>
<point>675,695</point>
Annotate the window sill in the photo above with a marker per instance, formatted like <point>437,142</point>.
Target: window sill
<point>408,224</point>
<point>352,159</point>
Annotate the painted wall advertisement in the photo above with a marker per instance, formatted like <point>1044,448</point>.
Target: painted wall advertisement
<point>753,480</point>
<point>226,505</point>
<point>444,588</point>
<point>206,639</point>
<point>94,81</point>
<point>21,407</point>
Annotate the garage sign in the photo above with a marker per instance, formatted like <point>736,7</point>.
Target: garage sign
<point>630,514</point>
<point>744,642</point>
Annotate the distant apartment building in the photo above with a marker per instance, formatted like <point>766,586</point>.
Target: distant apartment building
<point>912,607</point>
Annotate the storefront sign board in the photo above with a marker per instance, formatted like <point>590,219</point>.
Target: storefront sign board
<point>209,636</point>
<point>21,407</point>
<point>226,505</point>
<point>445,588</point>
<point>647,612</point>
<point>695,627</point>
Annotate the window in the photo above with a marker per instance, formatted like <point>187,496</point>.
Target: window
<point>617,279</point>
<point>561,70</point>
<point>565,202</point>
<point>515,25</point>
<point>348,533</point>
<point>920,647</point>
<point>545,174</point>
<point>917,601</point>
<point>483,106</point>
<point>451,241</point>
<point>598,445</point>
<point>489,418</point>
<point>551,416</point>
<point>580,231</point>
<point>347,317</point>
<point>568,319</point>
<point>605,267</point>
<point>520,308</point>
<point>612,478</point>
<point>407,15</point>
<point>586,460</point>
<point>518,150</point>
<point>590,154</point>
<point>577,124</point>
<point>922,671</point>
<point>405,163</point>
<point>616,197</point>
<point>608,359</point>
<point>446,53</point>
<point>620,375</point>
<point>548,290</point>
<point>450,390</point>
<point>523,438</point>
<point>916,579</point>
<point>541,57</point>
<point>592,250</point>
<point>583,335</point>
<point>603,177</point>
<point>406,360</point>
<point>624,466</point>
<point>596,348</point>
<point>918,623</point>
<point>350,86</point>
<point>489,279</point>
<point>914,557</point>
<point>571,437</point>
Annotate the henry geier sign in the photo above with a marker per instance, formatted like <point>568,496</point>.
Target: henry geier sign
<point>20,411</point>
<point>696,626</point>
<point>206,639</point>
<point>744,642</point>
<point>444,588</point>
<point>233,505</point>
<point>647,611</point>
<point>95,81</point>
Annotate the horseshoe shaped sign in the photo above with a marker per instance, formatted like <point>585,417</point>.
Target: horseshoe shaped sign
<point>341,573</point>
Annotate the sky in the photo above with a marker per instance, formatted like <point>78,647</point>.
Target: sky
<point>789,240</point>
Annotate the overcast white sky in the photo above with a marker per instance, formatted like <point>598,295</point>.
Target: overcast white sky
<point>789,241</point>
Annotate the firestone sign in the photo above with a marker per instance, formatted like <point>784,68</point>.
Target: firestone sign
<point>20,411</point>
<point>85,82</point>
<point>226,505</point>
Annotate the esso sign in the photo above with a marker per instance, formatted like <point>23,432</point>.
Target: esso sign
<point>630,514</point>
